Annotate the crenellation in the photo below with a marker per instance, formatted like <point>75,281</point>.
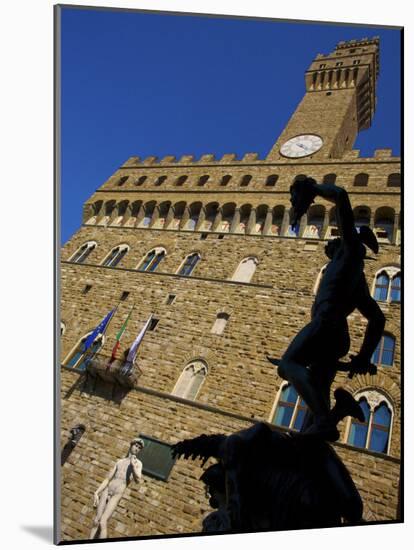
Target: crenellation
<point>228,158</point>
<point>187,159</point>
<point>206,158</point>
<point>148,161</point>
<point>250,157</point>
<point>131,162</point>
<point>352,155</point>
<point>168,159</point>
<point>354,43</point>
<point>170,162</point>
<point>383,154</point>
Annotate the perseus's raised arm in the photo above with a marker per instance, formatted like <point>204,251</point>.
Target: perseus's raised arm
<point>344,213</point>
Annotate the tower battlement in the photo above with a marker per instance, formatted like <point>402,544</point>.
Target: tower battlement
<point>247,159</point>
<point>358,43</point>
<point>208,158</point>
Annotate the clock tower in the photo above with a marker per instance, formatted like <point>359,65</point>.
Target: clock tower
<point>339,102</point>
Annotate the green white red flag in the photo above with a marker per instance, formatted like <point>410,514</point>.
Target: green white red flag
<point>119,335</point>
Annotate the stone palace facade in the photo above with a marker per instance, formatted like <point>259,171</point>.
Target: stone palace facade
<point>205,246</point>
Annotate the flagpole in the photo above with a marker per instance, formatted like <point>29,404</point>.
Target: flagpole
<point>119,336</point>
<point>133,350</point>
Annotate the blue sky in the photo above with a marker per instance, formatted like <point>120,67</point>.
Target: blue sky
<point>158,84</point>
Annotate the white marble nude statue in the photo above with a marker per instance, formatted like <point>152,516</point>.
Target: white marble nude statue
<point>110,492</point>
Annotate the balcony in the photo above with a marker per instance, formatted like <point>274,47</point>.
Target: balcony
<point>117,371</point>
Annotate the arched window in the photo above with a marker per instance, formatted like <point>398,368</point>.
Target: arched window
<point>243,224</point>
<point>122,208</point>
<point>374,432</point>
<point>163,211</point>
<point>277,220</point>
<point>387,285</point>
<point>329,178</point>
<point>191,380</point>
<point>395,294</point>
<point>108,211</point>
<point>362,216</point>
<point>292,231</point>
<point>333,231</point>
<point>246,179</point>
<point>211,213</point>
<point>384,224</point>
<point>178,213</point>
<point>382,283</point>
<point>220,323</point>
<point>152,259</point>
<point>361,180</point>
<point>78,358</point>
<point>160,180</point>
<point>91,212</point>
<point>394,180</point>
<point>384,354</point>
<point>133,211</point>
<point>245,270</point>
<point>314,226</point>
<point>259,226</point>
<point>195,211</point>
<point>290,410</point>
<point>272,180</point>
<point>227,211</point>
<point>225,179</point>
<point>181,180</point>
<point>83,252</point>
<point>359,430</point>
<point>148,213</point>
<point>116,255</point>
<point>203,180</point>
<point>189,264</point>
<point>122,180</point>
<point>139,181</point>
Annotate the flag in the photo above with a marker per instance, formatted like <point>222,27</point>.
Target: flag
<point>100,329</point>
<point>133,350</point>
<point>119,336</point>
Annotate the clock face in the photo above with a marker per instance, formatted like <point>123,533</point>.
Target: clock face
<point>301,146</point>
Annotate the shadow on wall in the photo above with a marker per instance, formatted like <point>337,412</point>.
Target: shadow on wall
<point>95,386</point>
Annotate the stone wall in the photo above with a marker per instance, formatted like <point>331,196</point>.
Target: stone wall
<point>156,507</point>
<point>264,315</point>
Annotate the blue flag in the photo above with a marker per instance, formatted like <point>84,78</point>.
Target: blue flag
<point>100,329</point>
